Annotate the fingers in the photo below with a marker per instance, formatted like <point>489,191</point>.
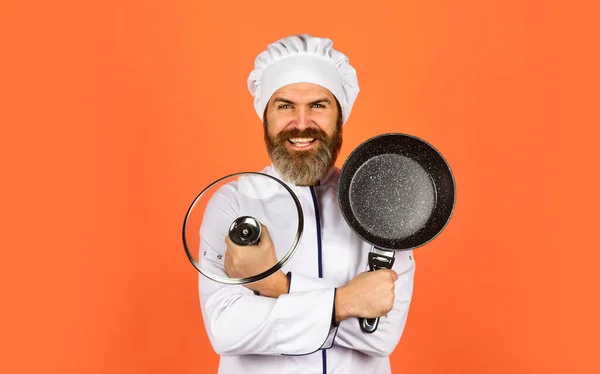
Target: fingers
<point>227,263</point>
<point>231,246</point>
<point>265,237</point>
<point>391,274</point>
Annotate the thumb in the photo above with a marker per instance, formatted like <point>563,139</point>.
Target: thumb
<point>265,237</point>
<point>231,246</point>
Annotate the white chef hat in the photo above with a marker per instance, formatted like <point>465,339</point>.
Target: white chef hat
<point>307,59</point>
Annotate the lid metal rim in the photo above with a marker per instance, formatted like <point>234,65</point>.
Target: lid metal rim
<point>261,276</point>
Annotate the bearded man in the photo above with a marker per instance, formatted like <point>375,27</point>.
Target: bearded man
<point>303,318</point>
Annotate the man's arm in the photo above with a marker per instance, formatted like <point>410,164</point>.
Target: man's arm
<point>389,331</point>
<point>238,321</point>
<point>384,340</point>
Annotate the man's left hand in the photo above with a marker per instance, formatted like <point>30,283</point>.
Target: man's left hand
<point>247,261</point>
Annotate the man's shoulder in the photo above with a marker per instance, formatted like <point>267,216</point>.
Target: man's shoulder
<point>269,170</point>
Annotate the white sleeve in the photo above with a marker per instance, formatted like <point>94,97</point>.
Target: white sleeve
<point>239,322</point>
<point>384,340</point>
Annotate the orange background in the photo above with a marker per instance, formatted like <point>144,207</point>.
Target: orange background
<point>116,114</point>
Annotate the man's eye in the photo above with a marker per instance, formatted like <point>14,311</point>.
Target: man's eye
<point>319,106</point>
<point>284,106</point>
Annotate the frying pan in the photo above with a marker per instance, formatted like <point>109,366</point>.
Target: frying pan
<point>397,193</point>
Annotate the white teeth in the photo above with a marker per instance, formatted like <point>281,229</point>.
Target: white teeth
<point>302,140</point>
<point>301,145</point>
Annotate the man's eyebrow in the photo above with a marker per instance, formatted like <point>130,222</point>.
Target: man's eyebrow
<point>281,99</point>
<point>321,100</point>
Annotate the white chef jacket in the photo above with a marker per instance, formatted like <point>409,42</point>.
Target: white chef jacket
<point>294,333</point>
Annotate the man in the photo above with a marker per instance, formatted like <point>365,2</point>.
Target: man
<point>304,318</point>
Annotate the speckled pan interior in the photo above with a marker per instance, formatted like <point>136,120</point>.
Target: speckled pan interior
<point>396,191</point>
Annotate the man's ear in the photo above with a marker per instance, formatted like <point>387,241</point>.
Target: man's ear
<point>265,123</point>
<point>265,114</point>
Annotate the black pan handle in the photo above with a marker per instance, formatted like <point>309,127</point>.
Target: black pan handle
<point>378,259</point>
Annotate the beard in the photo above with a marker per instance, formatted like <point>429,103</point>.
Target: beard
<point>303,168</point>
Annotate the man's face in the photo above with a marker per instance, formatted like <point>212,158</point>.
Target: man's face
<point>303,132</point>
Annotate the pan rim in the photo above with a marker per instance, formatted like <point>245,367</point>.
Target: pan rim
<point>350,220</point>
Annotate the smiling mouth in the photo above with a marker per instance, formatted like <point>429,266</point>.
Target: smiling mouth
<point>301,142</point>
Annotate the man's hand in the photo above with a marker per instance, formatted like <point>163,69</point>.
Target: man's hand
<point>368,295</point>
<point>247,261</point>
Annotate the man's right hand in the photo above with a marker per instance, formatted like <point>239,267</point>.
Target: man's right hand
<point>368,295</point>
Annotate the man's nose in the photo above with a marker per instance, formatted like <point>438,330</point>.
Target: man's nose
<point>303,119</point>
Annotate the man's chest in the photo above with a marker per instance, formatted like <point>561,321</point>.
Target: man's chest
<point>326,246</point>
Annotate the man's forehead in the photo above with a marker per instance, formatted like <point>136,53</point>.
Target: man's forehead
<point>302,92</point>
